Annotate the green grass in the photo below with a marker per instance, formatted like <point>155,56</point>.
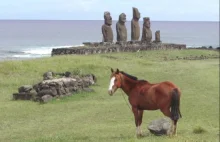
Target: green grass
<point>97,116</point>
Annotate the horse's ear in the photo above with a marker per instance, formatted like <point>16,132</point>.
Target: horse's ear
<point>117,70</point>
<point>112,70</point>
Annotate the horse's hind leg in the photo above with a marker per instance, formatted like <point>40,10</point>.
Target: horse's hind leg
<point>167,113</point>
<point>175,127</point>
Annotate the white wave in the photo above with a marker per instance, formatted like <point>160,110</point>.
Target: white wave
<point>44,50</point>
<point>24,56</point>
<point>37,52</point>
<point>29,56</point>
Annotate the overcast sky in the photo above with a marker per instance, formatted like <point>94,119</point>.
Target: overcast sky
<point>157,10</point>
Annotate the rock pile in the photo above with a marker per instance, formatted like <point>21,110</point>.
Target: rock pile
<point>66,84</point>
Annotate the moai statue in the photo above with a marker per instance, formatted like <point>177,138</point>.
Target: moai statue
<point>121,28</point>
<point>135,28</point>
<point>146,32</point>
<point>106,28</point>
<point>157,36</point>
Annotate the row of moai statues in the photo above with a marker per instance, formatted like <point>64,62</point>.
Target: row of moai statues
<point>121,29</point>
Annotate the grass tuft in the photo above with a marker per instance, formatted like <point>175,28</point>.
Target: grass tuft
<point>199,130</point>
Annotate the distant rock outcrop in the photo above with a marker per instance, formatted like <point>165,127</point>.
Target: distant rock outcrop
<point>66,84</point>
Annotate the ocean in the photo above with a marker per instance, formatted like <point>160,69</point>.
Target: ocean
<point>25,39</point>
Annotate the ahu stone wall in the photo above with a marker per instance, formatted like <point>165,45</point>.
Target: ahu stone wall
<point>52,86</point>
<point>107,47</point>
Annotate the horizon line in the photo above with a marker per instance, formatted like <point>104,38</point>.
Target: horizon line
<point>101,20</point>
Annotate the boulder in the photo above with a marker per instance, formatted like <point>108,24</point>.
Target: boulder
<point>90,78</point>
<point>88,90</point>
<point>25,88</point>
<point>32,95</point>
<point>160,126</point>
<point>48,75</point>
<point>46,98</point>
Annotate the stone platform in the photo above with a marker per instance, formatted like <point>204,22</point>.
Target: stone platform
<point>106,47</point>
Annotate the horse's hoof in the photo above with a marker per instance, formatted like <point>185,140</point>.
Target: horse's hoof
<point>139,135</point>
<point>170,135</point>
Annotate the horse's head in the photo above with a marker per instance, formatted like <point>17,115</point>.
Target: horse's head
<point>115,81</point>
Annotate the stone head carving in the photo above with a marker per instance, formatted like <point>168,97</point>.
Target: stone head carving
<point>157,36</point>
<point>146,32</point>
<point>146,22</point>
<point>108,18</point>
<point>106,28</point>
<point>136,14</point>
<point>122,18</point>
<point>135,27</point>
<point>121,28</point>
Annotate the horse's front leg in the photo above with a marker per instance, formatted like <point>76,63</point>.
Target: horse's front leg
<point>140,116</point>
<point>138,119</point>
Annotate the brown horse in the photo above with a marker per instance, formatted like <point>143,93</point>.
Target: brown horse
<point>143,95</point>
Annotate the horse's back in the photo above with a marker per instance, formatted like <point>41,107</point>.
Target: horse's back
<point>152,96</point>
<point>168,85</point>
<point>159,92</point>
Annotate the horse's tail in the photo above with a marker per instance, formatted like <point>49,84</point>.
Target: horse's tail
<point>175,105</point>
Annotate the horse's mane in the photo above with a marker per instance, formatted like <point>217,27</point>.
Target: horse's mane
<point>132,77</point>
<point>129,76</point>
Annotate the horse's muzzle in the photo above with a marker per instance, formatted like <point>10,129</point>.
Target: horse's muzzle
<point>110,92</point>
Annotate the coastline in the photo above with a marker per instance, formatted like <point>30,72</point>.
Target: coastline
<point>48,56</point>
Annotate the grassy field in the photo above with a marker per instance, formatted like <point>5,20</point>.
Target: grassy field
<point>99,117</point>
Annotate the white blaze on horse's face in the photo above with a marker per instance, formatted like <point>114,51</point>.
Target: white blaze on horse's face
<point>112,81</point>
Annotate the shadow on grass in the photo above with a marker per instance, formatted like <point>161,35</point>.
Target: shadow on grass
<point>133,137</point>
<point>199,130</point>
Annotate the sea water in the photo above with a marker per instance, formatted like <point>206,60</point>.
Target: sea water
<point>21,39</point>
